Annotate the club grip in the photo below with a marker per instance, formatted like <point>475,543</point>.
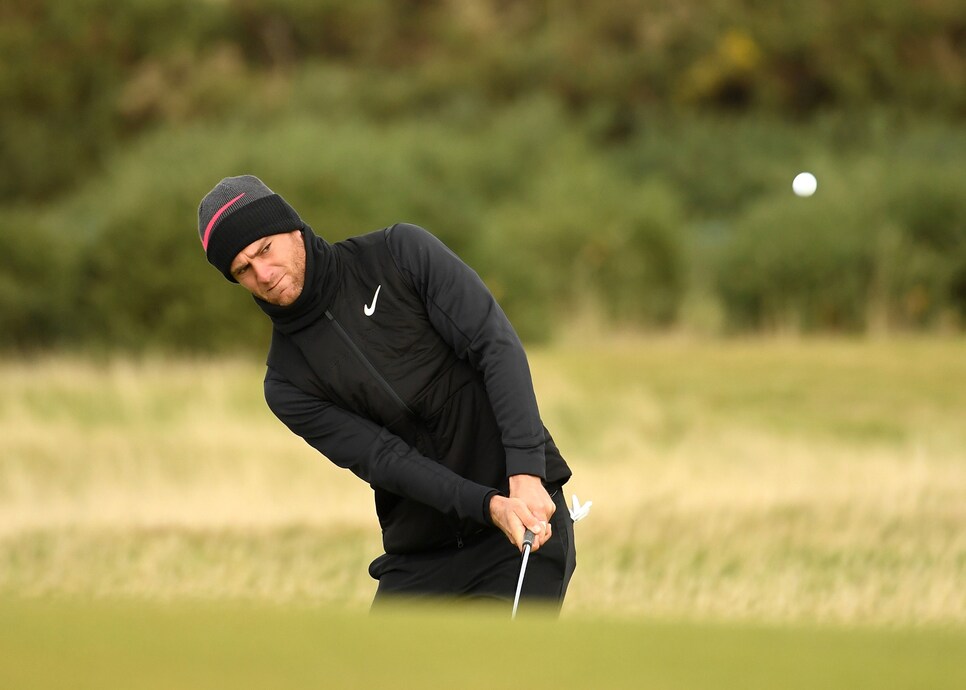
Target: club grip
<point>528,538</point>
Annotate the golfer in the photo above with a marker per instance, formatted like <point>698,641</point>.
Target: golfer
<point>391,358</point>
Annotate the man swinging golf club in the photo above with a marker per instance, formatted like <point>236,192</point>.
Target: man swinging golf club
<point>390,357</point>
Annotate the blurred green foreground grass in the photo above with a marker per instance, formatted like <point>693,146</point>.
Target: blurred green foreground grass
<point>794,482</point>
<point>111,645</point>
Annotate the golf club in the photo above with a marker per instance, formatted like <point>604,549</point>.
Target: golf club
<point>527,543</point>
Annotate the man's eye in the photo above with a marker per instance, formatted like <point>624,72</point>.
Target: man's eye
<point>266,248</point>
<point>241,270</point>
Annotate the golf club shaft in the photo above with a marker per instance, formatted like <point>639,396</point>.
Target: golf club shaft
<point>528,538</point>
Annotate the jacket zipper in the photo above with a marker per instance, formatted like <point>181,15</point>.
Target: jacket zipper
<point>370,367</point>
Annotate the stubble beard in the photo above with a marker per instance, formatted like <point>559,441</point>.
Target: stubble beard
<point>298,277</point>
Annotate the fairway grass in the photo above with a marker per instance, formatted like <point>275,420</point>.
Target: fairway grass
<point>779,482</point>
<point>111,645</point>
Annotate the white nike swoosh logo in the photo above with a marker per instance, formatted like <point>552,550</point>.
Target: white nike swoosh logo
<point>369,311</point>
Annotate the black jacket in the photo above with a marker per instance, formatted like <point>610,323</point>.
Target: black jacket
<point>406,371</point>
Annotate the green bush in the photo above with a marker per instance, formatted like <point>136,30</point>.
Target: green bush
<point>882,244</point>
<point>799,264</point>
<point>584,238</point>
<point>718,163</point>
<point>929,264</point>
<point>64,66</point>
<point>138,279</point>
<point>618,175</point>
<point>554,224</point>
<point>521,197</point>
<point>36,292</point>
<point>79,77</point>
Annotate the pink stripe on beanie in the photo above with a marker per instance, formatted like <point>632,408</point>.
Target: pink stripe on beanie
<point>211,223</point>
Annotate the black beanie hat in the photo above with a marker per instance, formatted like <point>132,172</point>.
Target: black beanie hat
<point>238,211</point>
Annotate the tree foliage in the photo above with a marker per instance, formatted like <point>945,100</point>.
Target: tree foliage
<point>620,156</point>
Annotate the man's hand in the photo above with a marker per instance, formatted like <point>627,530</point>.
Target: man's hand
<point>528,507</point>
<point>529,489</point>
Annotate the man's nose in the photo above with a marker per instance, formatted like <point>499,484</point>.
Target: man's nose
<point>262,271</point>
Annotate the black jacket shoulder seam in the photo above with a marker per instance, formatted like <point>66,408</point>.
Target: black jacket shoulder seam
<point>404,274</point>
<point>408,275</point>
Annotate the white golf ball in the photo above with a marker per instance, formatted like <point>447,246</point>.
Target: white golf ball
<point>804,184</point>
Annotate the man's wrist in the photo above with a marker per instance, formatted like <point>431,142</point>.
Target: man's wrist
<point>518,480</point>
<point>489,507</point>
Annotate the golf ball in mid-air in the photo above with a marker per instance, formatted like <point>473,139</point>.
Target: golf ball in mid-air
<point>804,184</point>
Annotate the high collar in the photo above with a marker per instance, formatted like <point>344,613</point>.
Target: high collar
<point>321,282</point>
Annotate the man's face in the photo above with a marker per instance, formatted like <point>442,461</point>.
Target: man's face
<point>273,268</point>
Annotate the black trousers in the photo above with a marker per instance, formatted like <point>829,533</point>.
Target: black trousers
<point>486,567</point>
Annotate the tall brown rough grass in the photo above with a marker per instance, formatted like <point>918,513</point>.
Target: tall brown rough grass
<point>774,480</point>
